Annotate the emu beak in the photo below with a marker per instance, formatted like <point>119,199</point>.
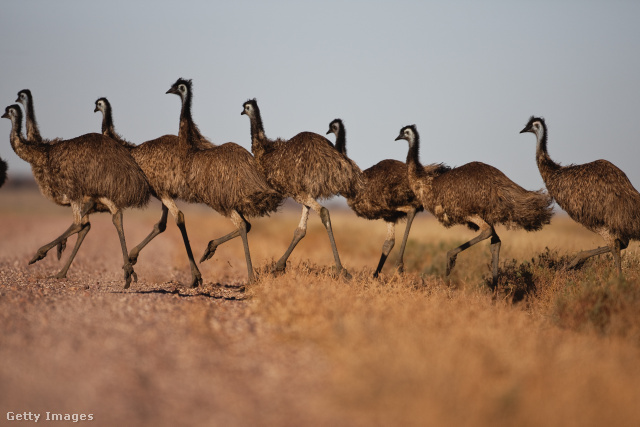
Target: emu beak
<point>398,137</point>
<point>17,99</point>
<point>5,116</point>
<point>95,110</point>
<point>526,129</point>
<point>171,90</point>
<point>242,113</point>
<point>328,132</point>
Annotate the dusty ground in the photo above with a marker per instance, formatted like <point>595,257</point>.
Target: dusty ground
<point>305,348</point>
<point>156,354</point>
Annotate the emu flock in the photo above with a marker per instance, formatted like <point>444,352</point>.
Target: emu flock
<point>114,174</point>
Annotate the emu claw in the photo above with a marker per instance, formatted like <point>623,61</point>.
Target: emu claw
<point>38,256</point>
<point>128,275</point>
<point>197,281</point>
<point>278,269</point>
<point>400,267</point>
<point>60,248</point>
<point>451,262</point>
<point>208,253</point>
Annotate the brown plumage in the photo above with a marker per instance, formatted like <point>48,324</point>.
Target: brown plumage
<point>597,195</point>
<point>306,168</point>
<point>3,172</point>
<point>161,161</point>
<point>476,195</point>
<point>83,171</point>
<point>384,194</point>
<point>226,178</point>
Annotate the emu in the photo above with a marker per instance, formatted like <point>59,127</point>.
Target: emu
<point>306,168</point>
<point>224,177</point>
<point>161,162</point>
<point>476,195</point>
<point>385,194</point>
<point>33,131</point>
<point>597,195</point>
<point>84,171</point>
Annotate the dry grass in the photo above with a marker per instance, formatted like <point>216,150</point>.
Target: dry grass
<point>546,347</point>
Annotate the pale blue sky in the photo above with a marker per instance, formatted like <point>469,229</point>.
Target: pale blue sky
<point>467,73</point>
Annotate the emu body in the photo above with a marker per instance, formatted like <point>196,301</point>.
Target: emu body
<point>82,171</point>
<point>161,160</point>
<point>476,195</point>
<point>384,194</point>
<point>597,195</point>
<point>306,168</point>
<point>225,177</point>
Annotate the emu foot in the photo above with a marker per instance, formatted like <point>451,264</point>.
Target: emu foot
<point>400,267</point>
<point>342,272</point>
<point>128,275</point>
<point>208,253</point>
<point>60,248</point>
<point>196,280</point>
<point>133,256</point>
<point>279,268</point>
<point>451,262</point>
<point>38,256</point>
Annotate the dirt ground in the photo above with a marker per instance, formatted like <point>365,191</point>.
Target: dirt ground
<point>156,354</point>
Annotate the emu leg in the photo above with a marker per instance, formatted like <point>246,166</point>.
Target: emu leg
<point>615,250</point>
<point>453,253</point>
<point>584,255</point>
<point>81,235</point>
<point>400,263</point>
<point>243,229</point>
<point>76,227</point>
<point>213,244</point>
<point>158,228</point>
<point>298,234</point>
<point>326,221</point>
<point>386,247</point>
<point>495,255</point>
<point>196,277</point>
<point>127,267</point>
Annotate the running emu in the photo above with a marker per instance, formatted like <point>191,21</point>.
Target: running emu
<point>161,161</point>
<point>306,168</point>
<point>476,195</point>
<point>225,177</point>
<point>597,195</point>
<point>385,194</point>
<point>83,171</point>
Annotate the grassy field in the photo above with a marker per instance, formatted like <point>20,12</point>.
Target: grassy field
<point>546,347</point>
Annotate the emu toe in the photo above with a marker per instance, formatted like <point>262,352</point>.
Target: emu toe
<point>279,268</point>
<point>210,251</point>
<point>128,275</point>
<point>196,280</point>
<point>60,248</point>
<point>451,262</point>
<point>38,256</point>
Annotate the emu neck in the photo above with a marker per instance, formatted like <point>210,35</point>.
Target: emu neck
<point>341,141</point>
<point>259,141</point>
<point>33,133</point>
<point>546,166</point>
<point>414,167</point>
<point>189,134</point>
<point>30,151</point>
<point>107,124</point>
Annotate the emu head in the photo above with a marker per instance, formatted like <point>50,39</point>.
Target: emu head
<point>408,133</point>
<point>536,125</point>
<point>182,87</point>
<point>250,108</point>
<point>335,126</point>
<point>24,97</point>
<point>102,104</point>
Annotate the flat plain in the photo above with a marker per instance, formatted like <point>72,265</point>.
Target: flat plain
<point>548,346</point>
